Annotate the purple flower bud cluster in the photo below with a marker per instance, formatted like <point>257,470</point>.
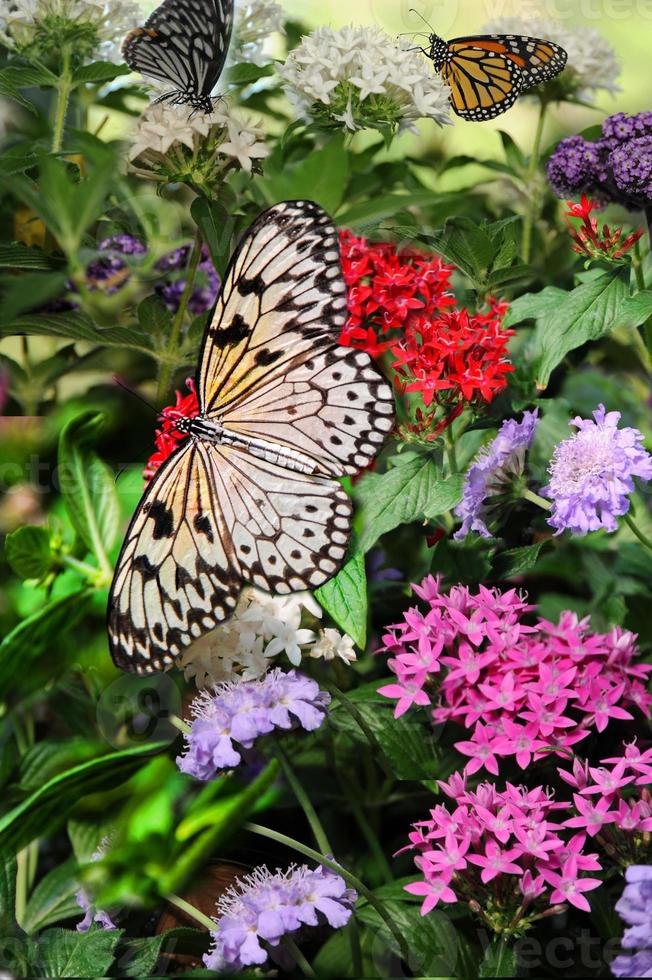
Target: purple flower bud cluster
<point>635,908</point>
<point>171,288</point>
<point>263,907</point>
<point>109,272</point>
<point>617,168</point>
<point>239,713</point>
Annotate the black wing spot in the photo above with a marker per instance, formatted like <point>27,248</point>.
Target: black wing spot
<point>311,509</point>
<point>352,396</point>
<point>336,441</point>
<point>144,567</point>
<point>266,357</point>
<point>308,532</point>
<point>158,632</point>
<point>348,420</point>
<point>245,549</point>
<point>236,332</point>
<point>203,526</point>
<point>255,284</point>
<point>163,520</point>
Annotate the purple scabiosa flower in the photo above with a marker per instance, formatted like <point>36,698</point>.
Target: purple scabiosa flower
<point>93,914</point>
<point>573,167</point>
<point>591,474</point>
<point>109,272</point>
<point>261,908</point>
<point>635,908</point>
<point>171,290</point>
<point>494,467</point>
<point>236,714</point>
<point>631,164</point>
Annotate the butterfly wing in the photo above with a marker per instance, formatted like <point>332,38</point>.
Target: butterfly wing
<point>487,74</point>
<point>272,368</point>
<point>177,576</point>
<point>184,43</point>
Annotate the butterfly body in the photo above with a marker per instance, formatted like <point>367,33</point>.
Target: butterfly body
<point>252,494</point>
<point>486,74</point>
<point>185,45</point>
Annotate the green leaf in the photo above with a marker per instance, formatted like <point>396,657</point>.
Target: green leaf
<point>588,313</point>
<point>517,561</point>
<point>24,646</point>
<point>48,758</point>
<point>345,599</point>
<point>637,309</point>
<point>53,899</point>
<point>322,176</point>
<point>77,326</point>
<point>88,486</point>
<point>29,291</point>
<point>18,256</point>
<point>246,74</point>
<point>46,809</point>
<point>99,71</point>
<point>533,306</point>
<point>407,493</point>
<point>154,317</point>
<point>8,871</point>
<point>28,552</point>
<point>499,960</point>
<point>467,245</point>
<point>217,227</point>
<point>13,78</point>
<point>65,953</point>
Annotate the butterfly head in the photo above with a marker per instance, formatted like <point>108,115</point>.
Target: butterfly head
<point>438,51</point>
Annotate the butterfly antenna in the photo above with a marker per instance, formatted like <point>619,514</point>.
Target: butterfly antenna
<point>140,398</point>
<point>429,26</point>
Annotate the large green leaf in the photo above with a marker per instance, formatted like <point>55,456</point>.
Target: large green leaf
<point>99,71</point>
<point>25,645</point>
<point>53,899</point>
<point>588,313</point>
<point>499,960</point>
<point>533,306</point>
<point>7,892</point>
<point>28,551</point>
<point>322,177</point>
<point>77,326</point>
<point>88,486</point>
<point>47,808</point>
<point>49,757</point>
<point>66,953</point>
<point>18,256</point>
<point>410,492</point>
<point>345,599</point>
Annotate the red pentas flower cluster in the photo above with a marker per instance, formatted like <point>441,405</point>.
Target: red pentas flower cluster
<point>168,437</point>
<point>401,303</point>
<point>592,241</point>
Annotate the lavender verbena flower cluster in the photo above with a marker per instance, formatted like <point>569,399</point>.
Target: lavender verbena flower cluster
<point>493,469</point>
<point>239,713</point>
<point>111,271</point>
<point>591,474</point>
<point>261,908</point>
<point>616,168</point>
<point>85,903</point>
<point>635,908</point>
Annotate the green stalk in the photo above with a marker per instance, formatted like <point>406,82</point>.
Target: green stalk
<point>534,198</point>
<point>64,88</point>
<point>534,498</point>
<point>304,802</point>
<point>629,521</point>
<point>177,324</point>
<point>299,958</point>
<point>350,879</point>
<point>203,920</point>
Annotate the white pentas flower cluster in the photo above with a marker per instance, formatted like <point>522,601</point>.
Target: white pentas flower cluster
<point>592,62</point>
<point>89,28</point>
<point>263,628</point>
<point>360,77</point>
<point>256,22</point>
<point>171,143</point>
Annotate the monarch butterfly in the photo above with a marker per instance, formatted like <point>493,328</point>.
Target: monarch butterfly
<point>184,44</point>
<point>251,496</point>
<point>486,74</point>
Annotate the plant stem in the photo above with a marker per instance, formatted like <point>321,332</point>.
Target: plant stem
<point>64,88</point>
<point>351,709</point>
<point>350,879</point>
<point>370,837</point>
<point>98,577</point>
<point>451,453</point>
<point>534,498</point>
<point>181,725</point>
<point>199,917</point>
<point>299,958</point>
<point>629,521</point>
<point>356,949</point>
<point>534,197</point>
<point>177,324</point>
<point>304,802</point>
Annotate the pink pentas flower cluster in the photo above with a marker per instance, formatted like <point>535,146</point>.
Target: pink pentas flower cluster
<point>508,854</point>
<point>613,803</point>
<point>521,689</point>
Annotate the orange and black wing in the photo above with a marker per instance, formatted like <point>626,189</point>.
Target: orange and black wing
<point>486,75</point>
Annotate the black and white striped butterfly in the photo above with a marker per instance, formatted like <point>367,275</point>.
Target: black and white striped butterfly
<point>252,495</point>
<point>184,44</point>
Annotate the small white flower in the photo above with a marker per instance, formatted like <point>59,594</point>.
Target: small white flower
<point>93,28</point>
<point>332,644</point>
<point>172,142</point>
<point>592,62</point>
<point>255,24</point>
<point>289,640</point>
<point>360,76</point>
